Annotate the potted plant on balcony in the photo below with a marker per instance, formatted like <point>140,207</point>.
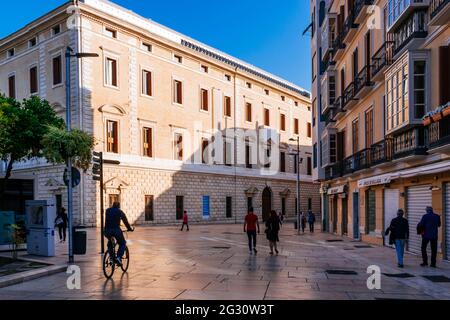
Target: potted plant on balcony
<point>427,120</point>
<point>446,110</point>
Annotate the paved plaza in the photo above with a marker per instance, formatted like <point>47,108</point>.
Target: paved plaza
<point>212,262</point>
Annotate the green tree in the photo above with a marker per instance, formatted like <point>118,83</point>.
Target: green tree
<point>59,145</point>
<point>22,128</point>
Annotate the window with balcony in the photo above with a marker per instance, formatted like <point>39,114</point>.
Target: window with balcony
<point>414,27</point>
<point>355,136</point>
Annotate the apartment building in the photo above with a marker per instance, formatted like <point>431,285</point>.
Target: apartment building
<point>155,101</point>
<point>381,96</point>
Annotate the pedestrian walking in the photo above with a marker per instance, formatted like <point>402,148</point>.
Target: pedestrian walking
<point>272,230</point>
<point>281,218</point>
<point>61,221</point>
<point>251,224</point>
<point>185,221</point>
<point>311,221</point>
<point>303,221</point>
<point>428,228</point>
<point>398,232</point>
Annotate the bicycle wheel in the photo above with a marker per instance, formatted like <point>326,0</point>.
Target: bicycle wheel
<point>108,265</point>
<point>125,260</point>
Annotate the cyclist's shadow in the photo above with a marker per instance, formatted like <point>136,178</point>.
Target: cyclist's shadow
<point>110,288</point>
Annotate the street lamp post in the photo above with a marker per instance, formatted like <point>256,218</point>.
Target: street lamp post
<point>69,55</point>
<point>298,161</point>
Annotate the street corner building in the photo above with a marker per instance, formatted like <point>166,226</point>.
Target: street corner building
<point>381,115</point>
<point>155,100</point>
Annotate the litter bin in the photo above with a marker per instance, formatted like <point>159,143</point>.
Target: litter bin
<point>79,240</point>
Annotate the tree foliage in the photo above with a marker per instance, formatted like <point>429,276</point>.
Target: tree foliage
<point>59,145</point>
<point>22,128</point>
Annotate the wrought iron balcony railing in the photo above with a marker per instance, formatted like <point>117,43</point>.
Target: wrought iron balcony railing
<point>439,133</point>
<point>382,58</point>
<point>349,94</point>
<point>363,79</point>
<point>413,141</point>
<point>381,152</point>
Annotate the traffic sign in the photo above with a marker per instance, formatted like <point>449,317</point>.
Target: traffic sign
<point>76,177</point>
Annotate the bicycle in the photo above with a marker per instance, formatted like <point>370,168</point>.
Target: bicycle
<point>109,258</point>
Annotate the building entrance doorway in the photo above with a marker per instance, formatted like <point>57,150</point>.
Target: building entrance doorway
<point>266,203</point>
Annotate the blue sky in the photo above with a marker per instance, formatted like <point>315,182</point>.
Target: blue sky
<point>265,33</point>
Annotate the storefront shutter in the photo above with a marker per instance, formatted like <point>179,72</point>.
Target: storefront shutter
<point>417,199</point>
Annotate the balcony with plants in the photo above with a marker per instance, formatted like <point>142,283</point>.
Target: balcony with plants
<point>438,124</point>
<point>439,12</point>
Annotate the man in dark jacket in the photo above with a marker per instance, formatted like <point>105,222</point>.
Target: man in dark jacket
<point>429,224</point>
<point>112,228</point>
<point>399,229</point>
<point>311,221</point>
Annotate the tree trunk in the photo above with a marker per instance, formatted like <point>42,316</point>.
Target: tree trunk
<point>5,178</point>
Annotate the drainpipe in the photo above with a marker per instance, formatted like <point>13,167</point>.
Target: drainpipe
<point>235,145</point>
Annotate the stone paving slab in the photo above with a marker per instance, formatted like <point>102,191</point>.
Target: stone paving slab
<point>186,266</point>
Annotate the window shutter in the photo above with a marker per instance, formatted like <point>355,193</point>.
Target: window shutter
<point>149,83</point>
<point>33,80</point>
<point>114,72</point>
<point>12,86</point>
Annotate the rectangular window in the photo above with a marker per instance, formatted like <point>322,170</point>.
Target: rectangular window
<point>149,208</point>
<point>355,136</point>
<point>147,47</point>
<point>308,130</point>
<point>147,142</point>
<point>179,207</point>
<point>111,72</point>
<point>333,148</point>
<point>369,128</point>
<point>419,89</point>
<point>147,83</point>
<point>296,103</point>
<point>283,206</point>
<point>248,112</point>
<point>315,155</point>
<point>267,92</point>
<point>57,70</point>
<point>227,106</point>
<point>249,85</point>
<point>32,42</point>
<point>205,154</point>
<point>283,98</point>
<point>177,92</point>
<point>178,147</point>
<point>205,69</point>
<point>206,208</point>
<point>296,126</point>
<point>112,136</point>
<point>248,156</point>
<point>56,30</point>
<point>111,33</point>
<point>282,122</point>
<point>33,80</point>
<point>227,154</point>
<point>308,166</point>
<point>11,52</point>
<point>282,162</point>
<point>12,86</point>
<point>266,117</point>
<point>229,207</point>
<point>227,77</point>
<point>204,99</point>
<point>178,58</point>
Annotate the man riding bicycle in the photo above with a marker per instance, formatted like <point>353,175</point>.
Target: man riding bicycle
<point>112,229</point>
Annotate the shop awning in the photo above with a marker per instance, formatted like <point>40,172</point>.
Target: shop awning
<point>407,173</point>
<point>336,190</point>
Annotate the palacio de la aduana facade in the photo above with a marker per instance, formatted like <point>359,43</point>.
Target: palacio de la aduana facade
<point>182,126</point>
